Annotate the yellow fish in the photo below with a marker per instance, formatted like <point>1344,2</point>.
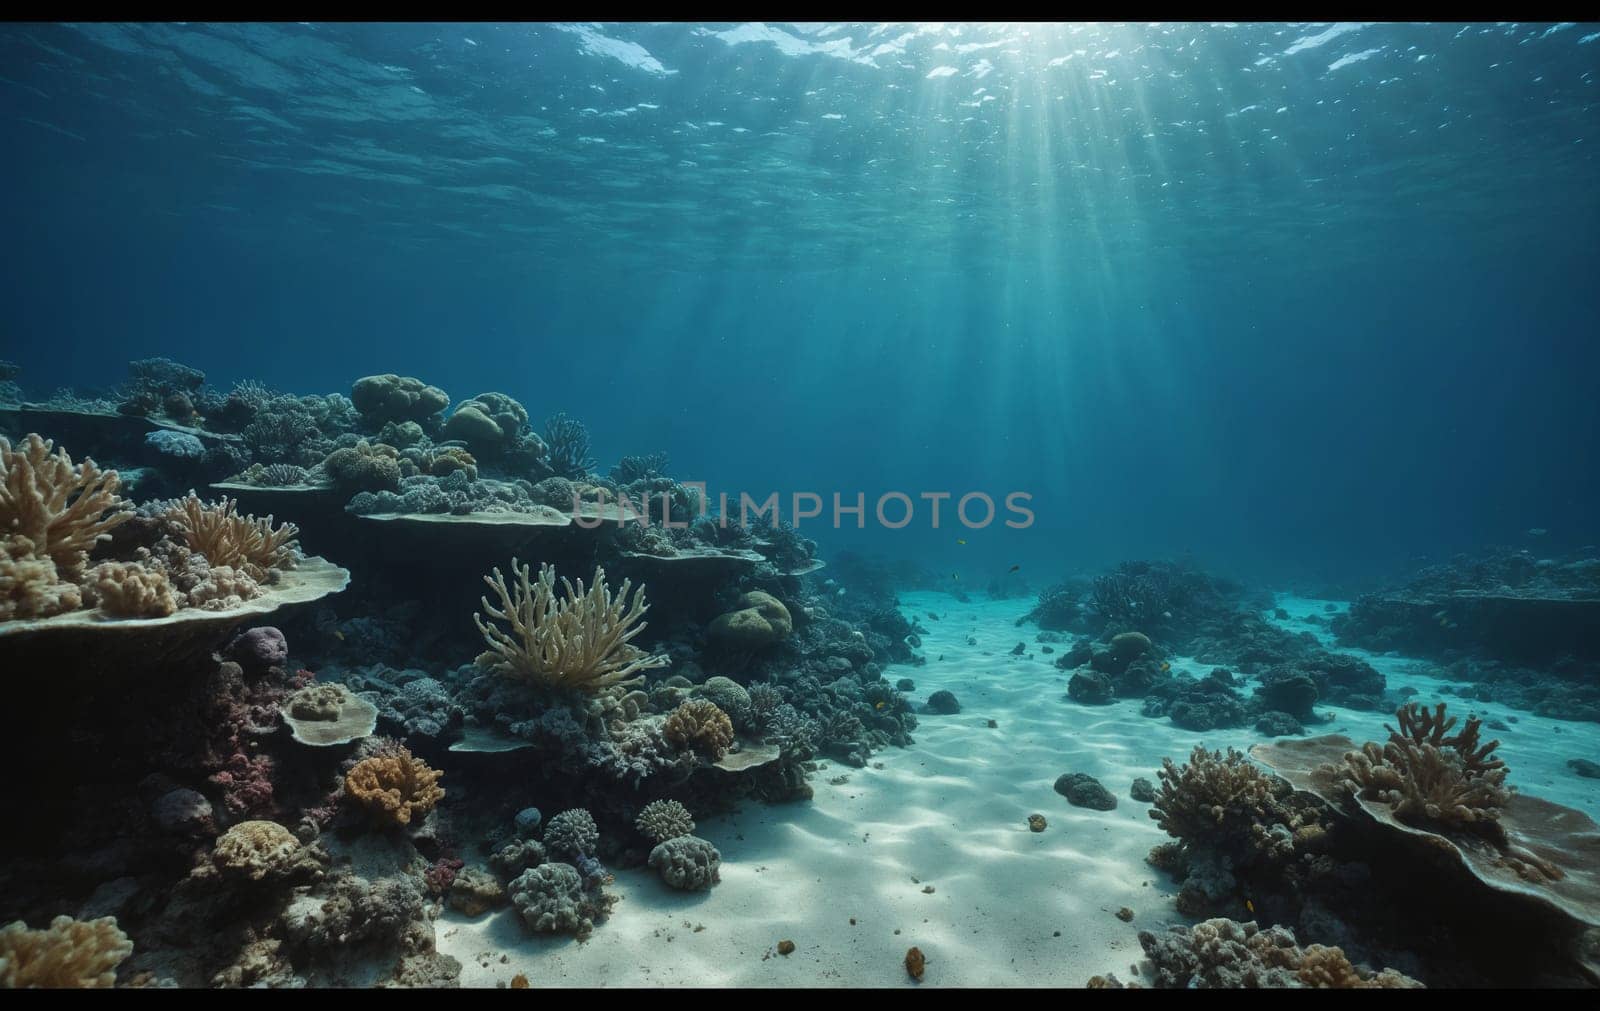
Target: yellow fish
<point>339,634</point>
<point>1249,905</point>
<point>878,706</point>
<point>1165,666</point>
<point>960,541</point>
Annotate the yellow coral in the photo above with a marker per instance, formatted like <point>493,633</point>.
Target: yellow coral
<point>699,725</point>
<point>578,641</point>
<point>71,953</point>
<point>226,538</point>
<point>395,786</point>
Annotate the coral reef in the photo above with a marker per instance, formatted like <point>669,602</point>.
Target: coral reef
<point>1224,953</point>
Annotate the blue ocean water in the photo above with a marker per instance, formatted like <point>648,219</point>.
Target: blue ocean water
<point>1304,301</point>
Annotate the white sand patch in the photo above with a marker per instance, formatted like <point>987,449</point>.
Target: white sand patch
<point>950,813</point>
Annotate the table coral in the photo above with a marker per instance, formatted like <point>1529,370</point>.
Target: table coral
<point>395,787</point>
<point>70,953</point>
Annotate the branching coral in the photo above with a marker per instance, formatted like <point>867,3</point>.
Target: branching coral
<point>699,725</point>
<point>579,640</point>
<point>1211,795</point>
<point>52,514</point>
<point>661,820</point>
<point>395,787</point>
<point>569,446</point>
<point>71,953</point>
<point>1428,777</point>
<point>226,538</point>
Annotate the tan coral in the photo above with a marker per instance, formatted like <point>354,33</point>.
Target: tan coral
<point>256,850</point>
<point>69,954</point>
<point>131,590</point>
<point>699,725</point>
<point>61,509</point>
<point>31,586</point>
<point>52,513</point>
<point>579,640</point>
<point>395,787</point>
<point>225,538</point>
<point>1211,792</point>
<point>1428,777</point>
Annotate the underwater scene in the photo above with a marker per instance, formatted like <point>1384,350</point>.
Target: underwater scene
<point>800,505</point>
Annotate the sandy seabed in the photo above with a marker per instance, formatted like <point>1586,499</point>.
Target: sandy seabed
<point>930,845</point>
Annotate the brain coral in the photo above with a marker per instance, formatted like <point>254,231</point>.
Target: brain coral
<point>760,620</point>
<point>394,787</point>
<point>71,953</point>
<point>730,696</point>
<point>363,467</point>
<point>256,850</point>
<point>687,862</point>
<point>389,397</point>
<point>701,726</point>
<point>661,820</point>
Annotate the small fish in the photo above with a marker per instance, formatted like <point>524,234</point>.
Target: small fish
<point>1165,666</point>
<point>955,575</point>
<point>960,541</point>
<point>1537,532</point>
<point>1249,905</point>
<point>878,706</point>
<point>1014,568</point>
<point>339,634</point>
